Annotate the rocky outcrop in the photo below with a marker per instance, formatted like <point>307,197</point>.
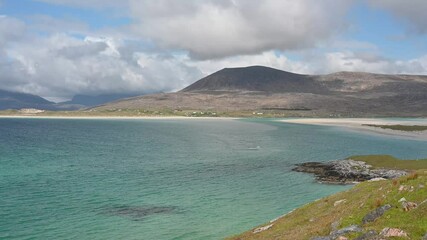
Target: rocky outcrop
<point>393,232</point>
<point>346,171</point>
<point>336,234</point>
<point>370,235</point>
<point>261,229</point>
<point>407,206</point>
<point>372,216</point>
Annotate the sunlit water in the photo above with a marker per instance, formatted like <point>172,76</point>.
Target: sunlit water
<point>164,179</point>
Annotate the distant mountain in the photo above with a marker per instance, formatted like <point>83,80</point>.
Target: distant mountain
<point>90,101</point>
<point>258,88</point>
<point>256,78</point>
<point>15,100</point>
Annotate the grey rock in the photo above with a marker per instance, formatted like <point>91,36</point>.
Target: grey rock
<point>370,235</point>
<point>346,171</point>
<point>425,236</point>
<point>343,231</point>
<point>322,238</point>
<point>262,229</point>
<point>393,232</point>
<point>372,216</point>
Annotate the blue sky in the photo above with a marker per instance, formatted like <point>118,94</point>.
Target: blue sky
<point>58,48</point>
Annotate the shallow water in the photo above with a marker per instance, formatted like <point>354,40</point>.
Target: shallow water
<point>164,179</point>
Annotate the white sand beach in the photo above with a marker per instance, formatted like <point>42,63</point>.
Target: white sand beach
<point>359,124</point>
<point>119,117</point>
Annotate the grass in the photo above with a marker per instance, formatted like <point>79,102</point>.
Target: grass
<point>407,128</point>
<point>315,219</point>
<point>168,112</point>
<point>387,161</point>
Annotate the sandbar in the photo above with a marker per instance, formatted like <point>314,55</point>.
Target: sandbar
<point>119,117</point>
<point>359,124</point>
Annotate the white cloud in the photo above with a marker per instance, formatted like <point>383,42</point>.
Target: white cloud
<point>59,66</point>
<point>11,29</point>
<point>413,12</point>
<point>196,38</point>
<point>366,62</point>
<point>214,29</point>
<point>269,58</point>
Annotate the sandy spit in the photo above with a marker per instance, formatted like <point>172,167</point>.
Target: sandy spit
<point>356,124</point>
<point>118,117</point>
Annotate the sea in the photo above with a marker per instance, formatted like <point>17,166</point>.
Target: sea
<point>165,178</point>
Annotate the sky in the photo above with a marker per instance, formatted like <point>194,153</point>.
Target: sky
<point>60,48</point>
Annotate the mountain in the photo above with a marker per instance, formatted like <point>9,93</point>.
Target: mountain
<point>266,90</point>
<point>256,78</point>
<point>15,100</point>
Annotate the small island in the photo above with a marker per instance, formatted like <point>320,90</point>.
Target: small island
<point>378,208</point>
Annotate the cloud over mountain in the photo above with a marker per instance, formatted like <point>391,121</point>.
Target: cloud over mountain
<point>164,45</point>
<point>215,29</point>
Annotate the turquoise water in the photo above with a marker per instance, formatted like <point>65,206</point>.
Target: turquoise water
<point>164,179</point>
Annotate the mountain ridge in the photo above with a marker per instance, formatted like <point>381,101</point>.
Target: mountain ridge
<point>258,88</point>
<point>254,78</point>
<point>17,100</point>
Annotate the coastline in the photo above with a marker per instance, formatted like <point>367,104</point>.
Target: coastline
<point>368,210</point>
<point>358,124</point>
<point>116,117</point>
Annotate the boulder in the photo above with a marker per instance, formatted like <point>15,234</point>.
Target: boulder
<point>261,229</point>
<point>339,233</point>
<point>377,179</point>
<point>372,216</point>
<point>344,231</point>
<point>370,235</point>
<point>393,232</point>
<point>336,203</point>
<point>407,206</point>
<point>322,238</point>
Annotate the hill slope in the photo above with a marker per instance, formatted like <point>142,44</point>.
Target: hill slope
<point>15,100</point>
<point>240,91</point>
<point>325,217</point>
<point>89,101</point>
<point>256,78</point>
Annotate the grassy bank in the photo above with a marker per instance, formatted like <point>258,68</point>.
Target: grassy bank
<point>349,207</point>
<point>257,113</point>
<point>167,113</point>
<point>406,128</point>
<point>390,162</point>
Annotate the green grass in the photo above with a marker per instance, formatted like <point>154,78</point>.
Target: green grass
<point>168,112</point>
<point>387,161</point>
<point>407,128</point>
<point>315,219</point>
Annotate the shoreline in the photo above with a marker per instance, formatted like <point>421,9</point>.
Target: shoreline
<point>359,125</point>
<point>116,117</point>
